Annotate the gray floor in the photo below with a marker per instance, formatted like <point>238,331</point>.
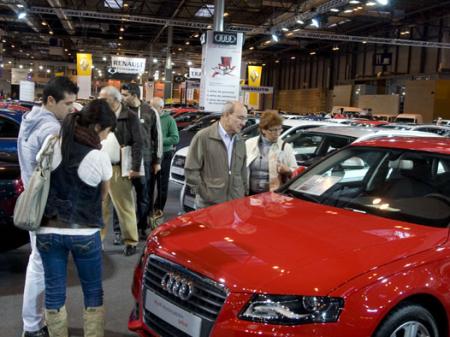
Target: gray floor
<point>118,273</point>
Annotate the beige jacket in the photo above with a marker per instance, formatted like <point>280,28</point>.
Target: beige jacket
<point>207,171</point>
<point>286,157</point>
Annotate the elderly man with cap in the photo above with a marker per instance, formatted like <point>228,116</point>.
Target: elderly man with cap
<point>127,133</point>
<point>216,162</point>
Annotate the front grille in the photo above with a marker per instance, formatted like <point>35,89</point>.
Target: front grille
<point>177,176</point>
<point>206,301</point>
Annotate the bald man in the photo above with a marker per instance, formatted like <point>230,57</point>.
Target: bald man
<point>215,166</point>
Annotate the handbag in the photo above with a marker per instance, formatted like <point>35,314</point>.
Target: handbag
<point>30,204</point>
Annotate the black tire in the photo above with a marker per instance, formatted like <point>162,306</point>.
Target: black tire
<point>403,314</point>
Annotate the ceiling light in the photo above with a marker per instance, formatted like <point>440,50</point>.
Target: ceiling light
<point>44,23</point>
<point>289,34</point>
<point>4,41</point>
<point>251,48</point>
<point>371,3</point>
<point>51,32</point>
<point>155,60</point>
<point>364,42</point>
<point>348,11</point>
<point>225,14</point>
<point>70,54</point>
<point>284,29</point>
<point>189,63</point>
<point>312,53</point>
<point>65,49</point>
<point>296,30</point>
<point>173,71</point>
<point>30,70</point>
<point>277,61</point>
<point>92,67</point>
<point>179,49</point>
<point>13,46</point>
<point>300,21</point>
<point>2,65</point>
<point>354,2</point>
<point>275,37</point>
<point>125,5</point>
<point>187,43</point>
<point>104,58</point>
<point>292,57</point>
<point>21,15</point>
<point>48,71</point>
<point>41,67</point>
<point>336,48</point>
<point>268,42</point>
<point>334,10</point>
<point>172,64</point>
<point>20,5</point>
<point>9,62</point>
<point>383,2</point>
<point>119,44</point>
<point>120,37</point>
<point>196,35</point>
<point>315,23</point>
<point>21,66</point>
<point>122,29</point>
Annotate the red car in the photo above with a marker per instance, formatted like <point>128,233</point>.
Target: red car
<point>356,246</point>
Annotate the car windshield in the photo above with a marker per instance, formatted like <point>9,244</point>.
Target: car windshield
<point>397,184</point>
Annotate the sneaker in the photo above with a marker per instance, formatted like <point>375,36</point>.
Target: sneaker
<point>129,250</point>
<point>43,332</point>
<point>117,239</point>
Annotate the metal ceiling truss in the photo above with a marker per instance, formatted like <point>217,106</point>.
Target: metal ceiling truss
<point>135,18</point>
<point>368,39</point>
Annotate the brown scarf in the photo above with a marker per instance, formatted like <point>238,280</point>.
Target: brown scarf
<point>87,137</point>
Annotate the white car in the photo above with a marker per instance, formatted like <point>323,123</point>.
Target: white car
<point>440,130</point>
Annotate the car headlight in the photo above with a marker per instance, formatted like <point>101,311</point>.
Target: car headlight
<point>291,310</point>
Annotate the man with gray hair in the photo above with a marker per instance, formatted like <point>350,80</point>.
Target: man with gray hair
<point>215,166</point>
<point>127,133</point>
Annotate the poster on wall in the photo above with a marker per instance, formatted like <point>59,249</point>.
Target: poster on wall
<point>127,65</point>
<point>26,91</point>
<point>221,69</point>
<point>84,72</point>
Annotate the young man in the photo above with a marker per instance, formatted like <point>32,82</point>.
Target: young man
<point>58,98</point>
<point>151,150</point>
<point>216,162</point>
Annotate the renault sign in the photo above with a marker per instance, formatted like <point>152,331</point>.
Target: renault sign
<point>225,38</point>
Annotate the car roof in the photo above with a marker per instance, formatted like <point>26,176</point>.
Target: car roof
<point>15,115</point>
<point>427,144</point>
<point>299,122</point>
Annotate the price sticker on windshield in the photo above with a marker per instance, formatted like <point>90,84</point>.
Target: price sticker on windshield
<point>317,185</point>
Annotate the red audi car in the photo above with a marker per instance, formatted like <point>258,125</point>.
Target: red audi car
<point>356,246</point>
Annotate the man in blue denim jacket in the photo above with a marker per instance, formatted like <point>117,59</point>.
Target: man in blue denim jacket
<point>58,98</point>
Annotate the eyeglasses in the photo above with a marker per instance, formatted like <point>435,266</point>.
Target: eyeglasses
<point>275,129</point>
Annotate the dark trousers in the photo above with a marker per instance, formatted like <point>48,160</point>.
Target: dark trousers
<point>142,199</point>
<point>161,180</point>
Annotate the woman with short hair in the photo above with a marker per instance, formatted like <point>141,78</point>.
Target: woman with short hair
<point>269,161</point>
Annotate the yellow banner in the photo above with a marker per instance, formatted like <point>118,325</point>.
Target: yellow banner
<point>84,64</point>
<point>254,80</point>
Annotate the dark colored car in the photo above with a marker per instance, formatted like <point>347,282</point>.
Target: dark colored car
<point>188,118</point>
<point>10,183</point>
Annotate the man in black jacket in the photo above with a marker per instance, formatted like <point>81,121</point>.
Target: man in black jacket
<point>152,150</point>
<point>127,133</point>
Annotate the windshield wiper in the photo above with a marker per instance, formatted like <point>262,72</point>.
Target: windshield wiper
<point>304,196</point>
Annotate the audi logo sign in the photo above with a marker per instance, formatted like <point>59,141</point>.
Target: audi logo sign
<point>225,38</point>
<point>178,286</point>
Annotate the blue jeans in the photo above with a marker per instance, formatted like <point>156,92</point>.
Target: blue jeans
<point>87,254</point>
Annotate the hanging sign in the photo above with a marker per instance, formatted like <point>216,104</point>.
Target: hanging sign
<point>225,38</point>
<point>254,80</point>
<point>195,72</point>
<point>127,65</point>
<point>84,64</point>
<point>221,70</point>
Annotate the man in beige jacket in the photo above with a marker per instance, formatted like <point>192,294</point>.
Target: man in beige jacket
<point>216,162</point>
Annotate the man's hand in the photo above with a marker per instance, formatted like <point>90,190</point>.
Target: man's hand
<point>133,174</point>
<point>156,168</point>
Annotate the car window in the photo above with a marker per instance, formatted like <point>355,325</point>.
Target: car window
<point>8,128</point>
<point>305,146</point>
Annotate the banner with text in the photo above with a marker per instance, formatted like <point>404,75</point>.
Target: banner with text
<point>84,72</point>
<point>254,80</point>
<point>127,65</point>
<point>221,69</point>
<point>26,91</point>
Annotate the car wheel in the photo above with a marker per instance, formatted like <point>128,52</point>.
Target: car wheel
<point>409,320</point>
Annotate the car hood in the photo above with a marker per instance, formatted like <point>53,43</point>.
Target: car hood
<point>281,245</point>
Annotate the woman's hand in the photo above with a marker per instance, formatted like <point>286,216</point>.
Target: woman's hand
<point>283,169</point>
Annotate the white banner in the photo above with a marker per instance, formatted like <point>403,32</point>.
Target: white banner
<point>195,72</point>
<point>18,75</point>
<point>26,91</point>
<point>84,83</point>
<point>221,70</point>
<point>128,65</point>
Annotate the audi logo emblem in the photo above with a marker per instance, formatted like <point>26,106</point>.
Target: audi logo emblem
<point>178,286</point>
<point>223,38</point>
